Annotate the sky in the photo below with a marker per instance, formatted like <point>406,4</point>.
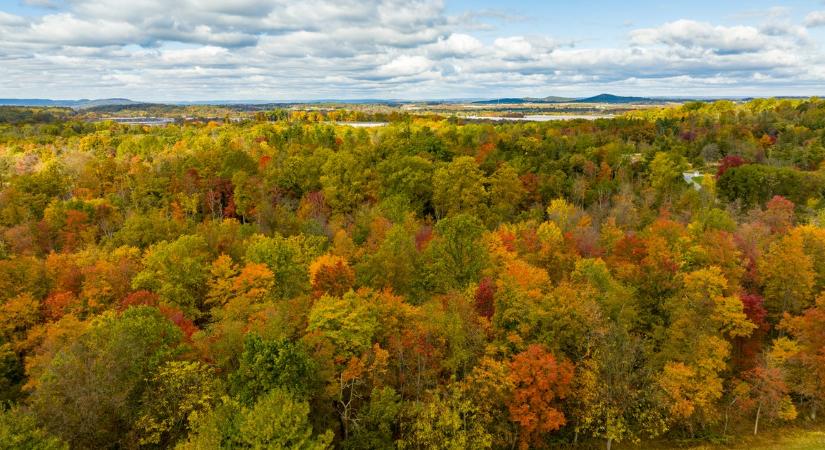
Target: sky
<point>287,50</point>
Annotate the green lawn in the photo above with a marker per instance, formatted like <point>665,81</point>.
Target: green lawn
<point>780,439</point>
<point>791,440</point>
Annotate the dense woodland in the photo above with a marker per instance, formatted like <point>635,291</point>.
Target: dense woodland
<point>286,282</point>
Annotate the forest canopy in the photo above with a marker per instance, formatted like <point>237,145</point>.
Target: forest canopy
<point>290,281</point>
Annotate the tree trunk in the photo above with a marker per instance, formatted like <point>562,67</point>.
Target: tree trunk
<point>756,422</point>
<point>609,443</point>
<point>725,431</point>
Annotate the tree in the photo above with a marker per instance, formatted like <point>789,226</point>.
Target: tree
<point>615,396</point>
<point>279,421</point>
<point>446,421</point>
<point>19,430</point>
<point>802,356</point>
<point>345,181</point>
<point>348,321</point>
<point>770,394</point>
<point>696,347</point>
<point>506,193</point>
<point>275,421</point>
<point>409,177</point>
<point>539,382</point>
<point>330,274</point>
<point>563,214</point>
<point>270,364</point>
<point>88,392</point>
<point>393,264</point>
<point>179,390</point>
<point>779,214</point>
<point>458,188</point>
<point>376,421</point>
<point>484,297</point>
<point>729,162</point>
<point>787,276</point>
<point>666,172</point>
<point>177,271</point>
<point>18,315</point>
<point>250,285</point>
<point>755,184</point>
<point>490,388</point>
<point>456,256</point>
<point>287,258</point>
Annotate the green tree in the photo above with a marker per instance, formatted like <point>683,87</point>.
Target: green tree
<point>393,264</point>
<point>666,172</point>
<point>345,181</point>
<point>88,393</point>
<point>456,256</point>
<point>19,430</point>
<point>409,177</point>
<point>276,421</point>
<point>288,258</point>
<point>348,322</point>
<point>178,390</point>
<point>376,421</point>
<point>615,397</point>
<point>459,188</point>
<point>270,364</point>
<point>506,193</point>
<point>446,421</point>
<point>178,272</point>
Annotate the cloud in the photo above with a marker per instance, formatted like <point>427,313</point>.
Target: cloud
<point>41,3</point>
<point>10,20</point>
<point>699,35</point>
<point>65,29</point>
<point>405,66</point>
<point>456,45</point>
<point>285,49</point>
<point>815,19</point>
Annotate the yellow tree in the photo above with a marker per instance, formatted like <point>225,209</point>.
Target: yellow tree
<point>696,347</point>
<point>458,187</point>
<point>787,276</point>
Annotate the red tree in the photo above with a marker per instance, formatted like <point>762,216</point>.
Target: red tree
<point>539,382</point>
<point>729,162</point>
<point>485,298</point>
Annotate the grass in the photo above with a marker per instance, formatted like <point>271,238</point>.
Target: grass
<point>794,439</point>
<point>808,438</point>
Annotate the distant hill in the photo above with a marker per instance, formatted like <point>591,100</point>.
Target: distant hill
<point>521,100</point>
<point>37,102</point>
<point>601,98</point>
<point>610,98</point>
<point>77,104</point>
<point>107,102</point>
<point>555,99</point>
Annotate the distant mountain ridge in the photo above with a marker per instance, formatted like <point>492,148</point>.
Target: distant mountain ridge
<point>76,104</point>
<point>601,98</point>
<point>610,98</point>
<point>519,100</point>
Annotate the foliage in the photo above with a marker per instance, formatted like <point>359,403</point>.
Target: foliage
<point>286,280</point>
<point>19,430</point>
<point>275,421</point>
<point>86,393</point>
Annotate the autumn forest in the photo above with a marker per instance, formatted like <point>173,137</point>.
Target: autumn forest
<point>287,280</point>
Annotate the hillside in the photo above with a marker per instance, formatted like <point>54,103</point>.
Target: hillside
<point>615,99</point>
<point>77,104</point>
